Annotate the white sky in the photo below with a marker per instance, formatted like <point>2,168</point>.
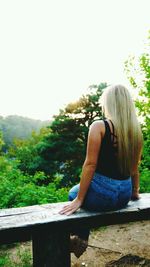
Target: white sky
<point>51,51</point>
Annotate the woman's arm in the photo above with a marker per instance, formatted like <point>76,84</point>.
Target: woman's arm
<point>95,135</point>
<point>135,186</point>
<point>136,180</point>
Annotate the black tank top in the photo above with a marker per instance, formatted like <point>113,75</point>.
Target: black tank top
<point>107,163</point>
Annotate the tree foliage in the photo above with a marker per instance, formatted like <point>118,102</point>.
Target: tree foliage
<point>71,128</point>
<point>14,126</point>
<point>1,142</point>
<point>26,152</point>
<point>138,73</point>
<point>18,189</point>
<point>62,149</point>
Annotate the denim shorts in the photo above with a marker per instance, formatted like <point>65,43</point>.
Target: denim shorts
<point>105,193</point>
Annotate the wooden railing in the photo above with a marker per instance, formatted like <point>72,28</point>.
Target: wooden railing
<point>50,231</point>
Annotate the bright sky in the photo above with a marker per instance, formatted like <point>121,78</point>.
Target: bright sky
<point>52,50</point>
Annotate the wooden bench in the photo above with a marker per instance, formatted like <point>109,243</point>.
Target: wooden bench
<point>50,231</point>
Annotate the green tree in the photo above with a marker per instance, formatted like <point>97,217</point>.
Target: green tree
<point>87,108</point>
<point>14,126</point>
<point>138,73</point>
<point>64,147</point>
<point>1,142</point>
<point>61,149</point>
<point>25,151</point>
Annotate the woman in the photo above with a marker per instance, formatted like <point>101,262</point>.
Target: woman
<point>110,176</point>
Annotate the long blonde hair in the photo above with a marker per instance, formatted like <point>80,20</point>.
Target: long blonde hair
<point>118,106</point>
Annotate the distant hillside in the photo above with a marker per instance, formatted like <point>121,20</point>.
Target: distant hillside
<point>14,126</point>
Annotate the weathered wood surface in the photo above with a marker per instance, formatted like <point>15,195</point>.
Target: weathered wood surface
<point>17,224</point>
<point>50,231</point>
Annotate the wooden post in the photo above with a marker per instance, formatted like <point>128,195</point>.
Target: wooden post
<point>51,249</point>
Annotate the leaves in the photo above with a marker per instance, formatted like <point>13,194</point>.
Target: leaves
<point>19,189</point>
<point>138,73</point>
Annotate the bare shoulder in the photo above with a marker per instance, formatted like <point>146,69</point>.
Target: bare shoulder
<point>98,126</point>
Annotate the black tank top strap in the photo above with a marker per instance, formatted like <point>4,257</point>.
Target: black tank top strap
<point>110,134</point>
<point>113,131</point>
<point>107,129</point>
<point>112,127</point>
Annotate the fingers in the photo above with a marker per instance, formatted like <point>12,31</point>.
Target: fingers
<point>67,210</point>
<point>72,207</point>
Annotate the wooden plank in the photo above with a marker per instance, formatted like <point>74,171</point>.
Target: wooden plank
<point>50,214</point>
<point>45,226</point>
<point>30,209</point>
<point>22,210</point>
<point>18,226</point>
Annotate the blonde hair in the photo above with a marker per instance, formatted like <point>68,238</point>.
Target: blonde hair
<point>118,106</point>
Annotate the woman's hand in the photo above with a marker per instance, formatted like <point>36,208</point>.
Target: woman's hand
<point>72,207</point>
<point>135,195</point>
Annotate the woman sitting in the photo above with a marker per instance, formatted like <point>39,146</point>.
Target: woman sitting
<point>110,176</point>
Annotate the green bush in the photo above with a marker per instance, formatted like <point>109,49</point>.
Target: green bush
<point>23,257</point>
<point>145,180</point>
<point>4,261</point>
<point>19,189</point>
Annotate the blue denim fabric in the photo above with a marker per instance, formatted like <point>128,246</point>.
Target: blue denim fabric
<point>104,194</point>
